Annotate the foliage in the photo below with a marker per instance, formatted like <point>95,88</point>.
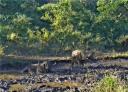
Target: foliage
<point>110,84</point>
<point>67,13</point>
<point>32,27</point>
<point>17,17</point>
<point>111,21</point>
<point>69,24</point>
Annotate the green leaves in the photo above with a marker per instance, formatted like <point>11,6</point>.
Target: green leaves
<point>20,19</point>
<point>110,84</point>
<point>63,25</point>
<point>112,9</point>
<point>67,13</point>
<point>12,36</point>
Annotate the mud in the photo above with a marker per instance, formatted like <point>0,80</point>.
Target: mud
<point>62,75</point>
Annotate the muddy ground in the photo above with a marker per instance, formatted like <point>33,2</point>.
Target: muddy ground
<point>60,78</point>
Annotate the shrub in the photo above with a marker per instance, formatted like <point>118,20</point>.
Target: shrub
<point>110,84</point>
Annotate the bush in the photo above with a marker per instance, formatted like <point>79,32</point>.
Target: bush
<point>110,84</point>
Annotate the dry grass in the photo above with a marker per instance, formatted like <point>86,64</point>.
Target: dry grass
<point>18,88</point>
<point>64,84</point>
<point>9,77</point>
<point>115,55</point>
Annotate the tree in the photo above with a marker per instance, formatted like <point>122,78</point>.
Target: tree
<point>67,13</point>
<point>111,21</point>
<point>16,17</point>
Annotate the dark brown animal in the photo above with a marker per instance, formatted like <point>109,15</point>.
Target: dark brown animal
<point>38,68</point>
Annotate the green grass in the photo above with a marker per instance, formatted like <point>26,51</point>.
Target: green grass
<point>113,55</point>
<point>110,84</point>
<point>123,55</point>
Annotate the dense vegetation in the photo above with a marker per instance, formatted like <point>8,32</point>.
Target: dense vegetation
<point>32,27</point>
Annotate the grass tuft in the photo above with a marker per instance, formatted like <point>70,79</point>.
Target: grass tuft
<point>110,84</point>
